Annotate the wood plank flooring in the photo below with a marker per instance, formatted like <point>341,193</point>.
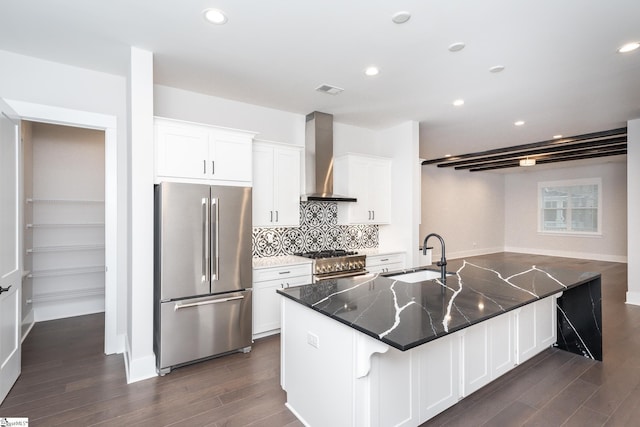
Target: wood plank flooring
<point>67,381</point>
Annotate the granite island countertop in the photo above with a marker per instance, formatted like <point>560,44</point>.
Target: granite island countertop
<point>406,315</point>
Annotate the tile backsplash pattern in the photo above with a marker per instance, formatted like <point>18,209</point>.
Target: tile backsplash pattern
<point>319,230</point>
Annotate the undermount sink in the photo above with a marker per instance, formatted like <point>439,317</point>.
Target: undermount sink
<point>417,276</point>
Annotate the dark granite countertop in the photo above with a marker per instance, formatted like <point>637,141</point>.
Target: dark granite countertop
<point>406,315</point>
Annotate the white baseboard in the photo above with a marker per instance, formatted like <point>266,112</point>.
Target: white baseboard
<point>138,369</point>
<point>633,298</point>
<point>567,254</point>
<point>470,253</point>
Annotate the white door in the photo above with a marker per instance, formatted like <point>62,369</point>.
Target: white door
<point>10,242</point>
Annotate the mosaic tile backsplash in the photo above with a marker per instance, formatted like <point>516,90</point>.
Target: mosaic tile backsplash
<point>319,230</point>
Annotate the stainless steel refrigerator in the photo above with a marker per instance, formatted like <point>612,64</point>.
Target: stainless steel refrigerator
<point>202,272</point>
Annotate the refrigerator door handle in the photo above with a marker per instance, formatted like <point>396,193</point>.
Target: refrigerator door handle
<point>213,301</point>
<point>215,258</point>
<point>205,240</point>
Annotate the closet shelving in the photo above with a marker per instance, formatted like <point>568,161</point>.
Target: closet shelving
<point>75,221</point>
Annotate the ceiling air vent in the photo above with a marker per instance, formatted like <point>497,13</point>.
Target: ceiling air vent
<point>331,90</point>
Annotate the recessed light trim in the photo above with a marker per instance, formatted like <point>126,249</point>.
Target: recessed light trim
<point>496,69</point>
<point>215,16</point>
<point>458,102</point>
<point>372,71</point>
<point>519,122</point>
<point>629,47</point>
<point>456,47</point>
<point>401,17</point>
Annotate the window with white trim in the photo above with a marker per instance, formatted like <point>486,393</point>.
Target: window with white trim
<point>570,207</point>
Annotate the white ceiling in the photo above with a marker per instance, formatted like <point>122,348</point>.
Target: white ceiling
<point>562,76</point>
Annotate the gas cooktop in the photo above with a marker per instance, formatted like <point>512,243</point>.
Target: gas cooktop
<point>328,253</point>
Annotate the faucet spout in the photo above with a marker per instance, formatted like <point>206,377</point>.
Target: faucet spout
<point>443,259</point>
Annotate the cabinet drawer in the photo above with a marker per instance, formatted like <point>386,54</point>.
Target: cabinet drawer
<point>260,275</point>
<point>385,259</point>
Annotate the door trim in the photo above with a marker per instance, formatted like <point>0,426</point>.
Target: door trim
<point>113,342</point>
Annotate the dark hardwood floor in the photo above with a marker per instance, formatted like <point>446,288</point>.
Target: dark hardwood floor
<point>67,381</point>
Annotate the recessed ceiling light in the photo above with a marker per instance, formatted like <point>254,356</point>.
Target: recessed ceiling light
<point>215,16</point>
<point>458,102</point>
<point>527,162</point>
<point>557,136</point>
<point>456,47</point>
<point>496,69</point>
<point>372,71</point>
<point>401,17</point>
<point>629,47</point>
<point>447,155</point>
<point>519,123</point>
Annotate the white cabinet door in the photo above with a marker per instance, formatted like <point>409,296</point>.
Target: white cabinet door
<point>10,249</point>
<point>287,187</point>
<point>474,346</point>
<point>188,151</point>
<point>501,336</point>
<point>368,179</point>
<point>439,376</point>
<point>230,156</point>
<point>182,151</point>
<point>263,186</point>
<point>266,302</point>
<point>276,185</point>
<point>535,328</point>
<point>379,172</point>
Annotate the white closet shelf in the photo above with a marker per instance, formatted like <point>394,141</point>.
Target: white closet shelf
<point>67,271</point>
<point>34,200</point>
<point>68,225</point>
<point>69,248</point>
<point>66,295</point>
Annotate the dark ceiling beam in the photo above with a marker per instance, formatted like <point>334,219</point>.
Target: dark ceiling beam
<point>612,142</point>
<point>550,160</point>
<point>468,164</point>
<point>620,132</point>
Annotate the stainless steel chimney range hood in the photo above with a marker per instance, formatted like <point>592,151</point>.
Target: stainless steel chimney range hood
<point>319,153</point>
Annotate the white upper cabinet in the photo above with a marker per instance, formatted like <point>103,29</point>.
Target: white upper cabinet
<point>192,152</point>
<point>276,185</point>
<point>368,179</point>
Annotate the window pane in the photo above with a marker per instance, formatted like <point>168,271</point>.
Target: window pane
<point>584,196</point>
<point>554,219</point>
<point>584,220</point>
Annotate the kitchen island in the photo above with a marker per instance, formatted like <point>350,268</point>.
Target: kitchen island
<point>376,350</point>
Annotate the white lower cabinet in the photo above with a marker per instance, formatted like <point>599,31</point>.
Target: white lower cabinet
<point>385,263</point>
<point>439,376</point>
<point>487,352</point>
<point>536,329</point>
<point>266,301</point>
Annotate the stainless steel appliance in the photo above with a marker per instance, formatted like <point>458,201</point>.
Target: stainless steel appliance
<point>202,276</point>
<point>336,263</point>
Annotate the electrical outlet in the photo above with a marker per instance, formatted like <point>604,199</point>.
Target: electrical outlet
<point>313,340</point>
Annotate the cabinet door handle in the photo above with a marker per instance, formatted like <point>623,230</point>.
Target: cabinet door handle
<point>276,216</point>
<point>213,168</point>
<point>270,216</point>
<point>385,259</point>
<point>284,272</point>
<point>204,167</point>
<point>373,215</point>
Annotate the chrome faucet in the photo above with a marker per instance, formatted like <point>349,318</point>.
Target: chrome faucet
<point>443,260</point>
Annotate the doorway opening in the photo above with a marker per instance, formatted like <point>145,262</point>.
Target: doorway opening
<point>64,217</point>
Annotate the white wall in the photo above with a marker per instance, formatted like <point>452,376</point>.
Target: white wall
<point>521,214</point>
<point>273,125</point>
<point>465,208</point>
<point>633,211</point>
<point>27,79</point>
<point>401,143</point>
